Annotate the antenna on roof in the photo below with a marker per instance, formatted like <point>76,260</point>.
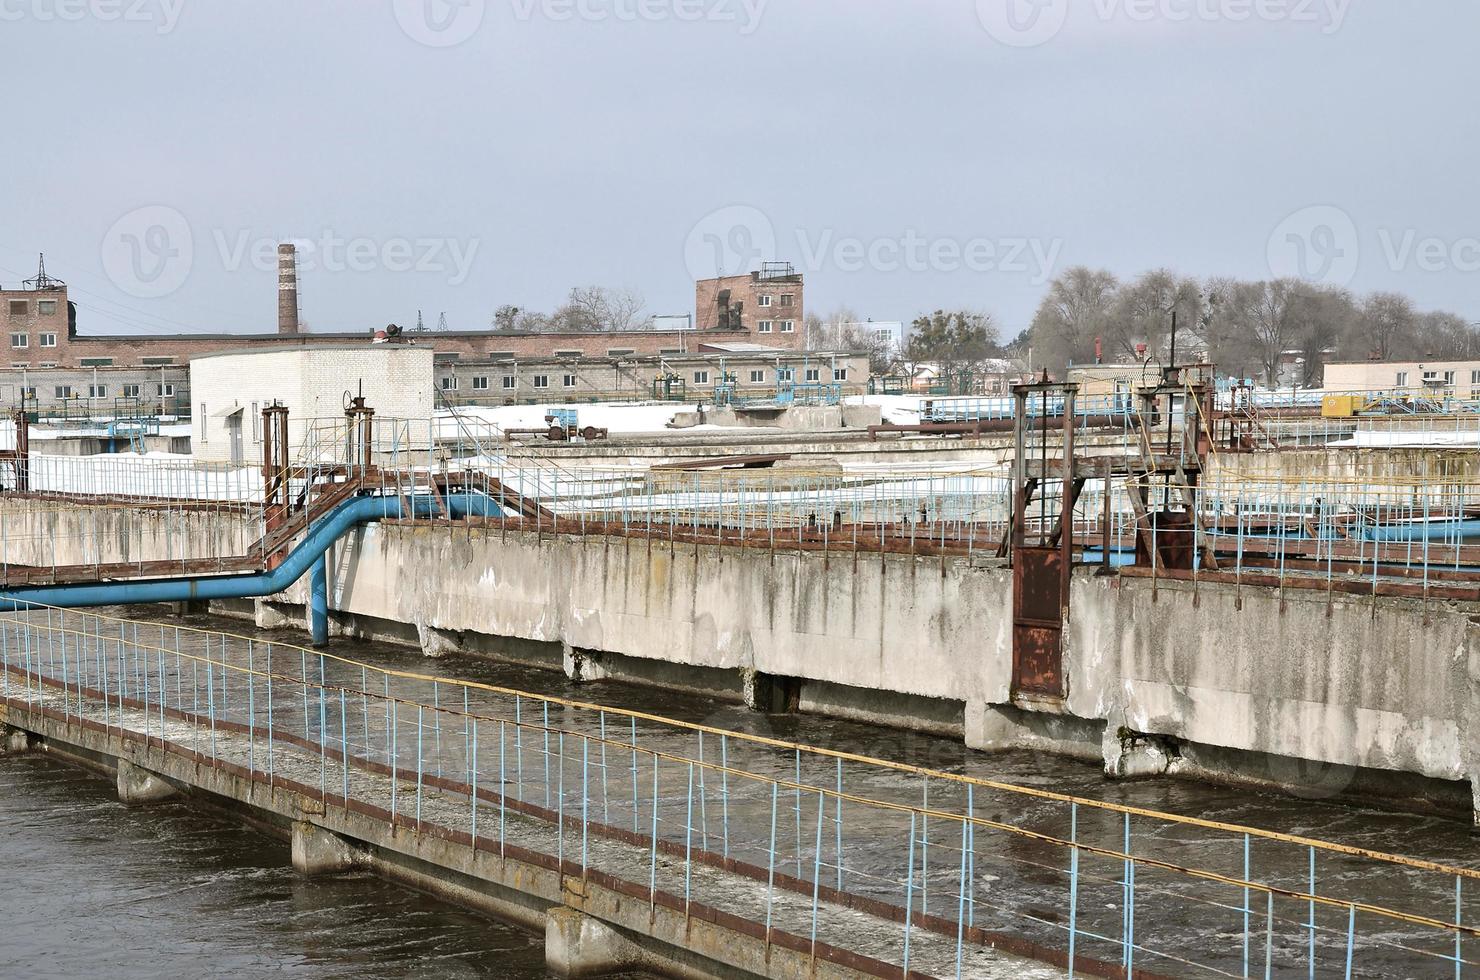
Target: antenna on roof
<point>42,280</point>
<point>442,322</point>
<point>420,327</point>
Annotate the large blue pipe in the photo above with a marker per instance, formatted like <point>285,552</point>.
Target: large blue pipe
<point>322,535</point>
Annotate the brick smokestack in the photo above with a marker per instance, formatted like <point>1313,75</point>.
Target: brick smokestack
<point>287,289</point>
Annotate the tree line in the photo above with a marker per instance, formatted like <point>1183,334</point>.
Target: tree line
<point>1247,328</point>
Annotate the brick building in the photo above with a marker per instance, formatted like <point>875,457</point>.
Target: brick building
<point>765,304</point>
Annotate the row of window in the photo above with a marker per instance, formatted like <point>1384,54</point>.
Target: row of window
<point>758,375</point>
<point>20,341</point>
<point>22,307</point>
<point>1432,377</point>
<point>511,382</point>
<point>166,390</point>
<point>786,299</point>
<point>765,326</point>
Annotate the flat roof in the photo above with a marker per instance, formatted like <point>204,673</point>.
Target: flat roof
<point>308,348</point>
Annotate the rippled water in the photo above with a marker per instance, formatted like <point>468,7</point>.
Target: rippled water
<point>96,889</point>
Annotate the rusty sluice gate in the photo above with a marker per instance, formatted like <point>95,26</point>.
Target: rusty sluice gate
<point>801,855</point>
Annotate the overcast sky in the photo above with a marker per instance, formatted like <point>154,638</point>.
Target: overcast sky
<point>457,156</point>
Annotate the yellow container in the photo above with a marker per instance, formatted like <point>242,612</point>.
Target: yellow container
<point>1340,406</point>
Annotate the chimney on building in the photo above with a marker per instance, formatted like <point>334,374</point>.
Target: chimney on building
<point>287,289</point>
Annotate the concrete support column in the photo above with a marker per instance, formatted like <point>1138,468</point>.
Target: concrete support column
<point>1129,755</point>
<point>137,787</point>
<point>576,945</point>
<point>192,607</point>
<point>13,741</point>
<point>267,616</point>
<point>437,643</point>
<point>580,666</point>
<point>317,851</point>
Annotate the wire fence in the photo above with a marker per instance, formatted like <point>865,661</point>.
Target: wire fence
<point>914,869</point>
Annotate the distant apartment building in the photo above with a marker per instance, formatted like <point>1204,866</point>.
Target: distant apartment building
<point>1460,378</point>
<point>767,305</point>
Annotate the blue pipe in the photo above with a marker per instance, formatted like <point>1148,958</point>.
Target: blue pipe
<point>321,535</point>
<point>318,601</point>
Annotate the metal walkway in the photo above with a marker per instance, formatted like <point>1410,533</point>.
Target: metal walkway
<point>856,865</point>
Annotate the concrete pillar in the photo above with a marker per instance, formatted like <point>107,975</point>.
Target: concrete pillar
<point>317,851</point>
<point>13,741</point>
<point>192,607</point>
<point>266,616</point>
<point>137,787</point>
<point>1475,798</point>
<point>437,643</point>
<point>1129,755</point>
<point>576,945</point>
<point>580,666</point>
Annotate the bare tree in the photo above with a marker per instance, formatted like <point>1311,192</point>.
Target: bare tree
<point>1388,322</point>
<point>1074,312</point>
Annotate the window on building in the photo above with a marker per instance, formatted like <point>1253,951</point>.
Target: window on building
<point>19,307</point>
<point>97,362</point>
<point>542,381</point>
<point>569,353</point>
<point>64,391</point>
<point>1429,377</point>
<point>156,361</point>
<point>1449,377</point>
<point>758,377</point>
<point>763,301</point>
<point>1475,377</point>
<point>131,391</point>
<point>446,355</point>
<point>480,384</point>
<point>48,340</point>
<point>449,383</point>
<point>29,392</point>
<point>786,374</point>
<point>763,326</point>
<point>166,390</point>
<point>570,380</point>
<point>97,391</point>
<point>840,374</point>
<point>620,352</point>
<point>671,350</point>
<point>787,299</point>
<point>20,340</point>
<point>701,377</point>
<point>501,355</point>
<point>1402,381</point>
<point>788,326</point>
<point>510,382</point>
<point>46,307</point>
<point>814,374</point>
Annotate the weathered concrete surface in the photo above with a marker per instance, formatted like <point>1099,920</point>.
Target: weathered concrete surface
<point>317,851</point>
<point>138,786</point>
<point>925,627</point>
<point>42,533</point>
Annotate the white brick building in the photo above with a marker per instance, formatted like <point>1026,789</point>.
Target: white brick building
<point>230,389</point>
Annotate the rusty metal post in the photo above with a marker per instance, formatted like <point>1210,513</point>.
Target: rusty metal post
<point>1019,513</point>
<point>1066,520</point>
<point>22,451</point>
